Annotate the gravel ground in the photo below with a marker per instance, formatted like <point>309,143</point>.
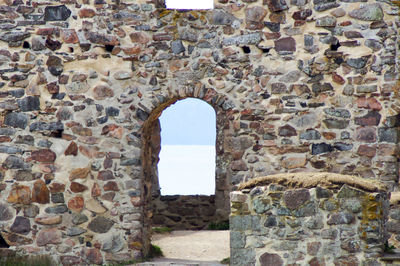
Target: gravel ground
<point>205,245</point>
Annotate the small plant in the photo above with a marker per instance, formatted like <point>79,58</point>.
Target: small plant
<point>219,226</point>
<point>389,248</point>
<point>226,261</point>
<point>162,230</point>
<point>155,252</point>
<point>39,260</point>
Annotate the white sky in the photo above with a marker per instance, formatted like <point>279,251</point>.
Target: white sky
<point>187,157</point>
<point>190,4</point>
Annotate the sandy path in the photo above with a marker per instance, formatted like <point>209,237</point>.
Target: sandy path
<point>194,245</point>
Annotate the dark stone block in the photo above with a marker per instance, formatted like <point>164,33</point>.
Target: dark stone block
<point>57,209</point>
<point>370,119</point>
<point>30,103</point>
<point>21,225</point>
<point>15,119</point>
<point>323,193</point>
<point>336,123</point>
<point>56,13</point>
<point>112,111</point>
<point>43,126</point>
<point>388,135</point>
<point>342,146</point>
<point>321,148</point>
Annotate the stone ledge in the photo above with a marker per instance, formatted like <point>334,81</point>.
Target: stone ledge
<point>309,180</point>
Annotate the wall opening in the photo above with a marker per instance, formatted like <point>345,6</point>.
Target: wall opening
<point>3,243</point>
<point>189,4</point>
<point>187,156</point>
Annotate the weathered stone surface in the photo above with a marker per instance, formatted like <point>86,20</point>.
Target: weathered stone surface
<point>287,44</point>
<point>366,134</point>
<point>6,213</point>
<point>57,209</point>
<point>369,12</point>
<point>113,244</point>
<point>14,36</point>
<point>17,120</point>
<point>75,231</point>
<point>102,92</point>
<point>20,194</point>
<point>79,218</point>
<point>295,198</point>
<point>49,219</point>
<point>21,225</point>
<point>79,173</point>
<point>100,225</point>
<point>76,203</point>
<point>341,218</point>
<point>40,192</point>
<point>94,256</point>
<point>48,236</point>
<point>247,39</point>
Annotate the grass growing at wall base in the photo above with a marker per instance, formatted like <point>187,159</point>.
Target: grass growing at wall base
<point>38,260</point>
<point>162,230</point>
<point>219,226</point>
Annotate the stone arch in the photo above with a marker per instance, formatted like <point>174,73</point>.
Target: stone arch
<point>150,136</point>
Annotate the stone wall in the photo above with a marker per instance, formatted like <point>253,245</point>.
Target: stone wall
<point>303,224</point>
<point>192,212</point>
<point>296,85</point>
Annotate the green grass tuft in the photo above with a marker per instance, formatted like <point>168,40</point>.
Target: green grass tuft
<point>155,252</point>
<point>226,261</point>
<point>162,230</point>
<point>219,226</point>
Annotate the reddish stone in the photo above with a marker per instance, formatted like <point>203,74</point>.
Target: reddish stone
<point>77,187</point>
<point>287,131</point>
<point>45,31</point>
<point>63,79</point>
<point>49,219</point>
<point>111,186</point>
<point>296,197</point>
<point>107,163</point>
<point>287,44</point>
<point>96,191</point>
<point>313,248</point>
<point>239,165</point>
<point>20,194</point>
<point>86,13</point>
<point>368,103</point>
<point>136,201</point>
<point>5,139</point>
<point>346,261</point>
<point>94,256</point>
<point>366,134</point>
<point>79,173</point>
<point>72,149</point>
<point>49,236</point>
<point>69,36</point>
<point>329,135</point>
<point>40,192</point>
<point>105,175</point>
<point>82,131</point>
<point>317,262</point>
<point>302,14</point>
<point>338,79</point>
<point>162,37</point>
<point>44,156</point>
<point>294,162</point>
<point>91,152</point>
<point>109,196</point>
<point>268,259</point>
<point>371,119</point>
<point>387,149</point>
<point>53,87</point>
<point>139,37</point>
<point>56,187</point>
<point>132,50</point>
<point>102,92</point>
<point>76,204</point>
<point>365,150</point>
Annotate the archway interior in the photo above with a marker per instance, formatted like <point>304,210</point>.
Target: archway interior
<point>187,157</point>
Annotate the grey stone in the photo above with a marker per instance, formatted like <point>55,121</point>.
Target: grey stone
<point>7,131</point>
<point>343,113</point>
<point>75,231</point>
<point>353,205</point>
<point>329,234</point>
<point>21,225</point>
<point>367,88</point>
<point>273,26</point>
<point>177,47</point>
<point>113,243</point>
<point>43,126</point>
<point>305,211</point>
<point>292,76</point>
<point>79,218</point>
<point>316,222</point>
<point>388,135</point>
<point>56,13</point>
<point>57,209</point>
<point>188,35</point>
<point>368,12</point>
<point>261,205</point>
<point>243,256</point>
<point>340,146</point>
<point>357,62</point>
<point>14,36</point>
<point>15,119</point>
<point>30,103</point>
<point>219,17</point>
<point>14,162</point>
<point>10,149</point>
<point>375,45</point>
<point>349,192</point>
<point>246,39</point>
<point>310,135</point>
<point>38,44</point>
<point>326,21</point>
<point>31,211</point>
<point>100,225</point>
<point>340,218</point>
<point>276,5</point>
<point>323,193</point>
<point>348,90</point>
<point>112,111</point>
<point>270,221</point>
<point>5,212</point>
<point>393,227</point>
<point>44,143</point>
<point>57,198</point>
<point>336,123</point>
<point>238,239</point>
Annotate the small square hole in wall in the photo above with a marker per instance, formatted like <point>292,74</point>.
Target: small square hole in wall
<point>189,4</point>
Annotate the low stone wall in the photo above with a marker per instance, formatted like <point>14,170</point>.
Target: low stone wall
<point>296,223</point>
<point>184,212</point>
